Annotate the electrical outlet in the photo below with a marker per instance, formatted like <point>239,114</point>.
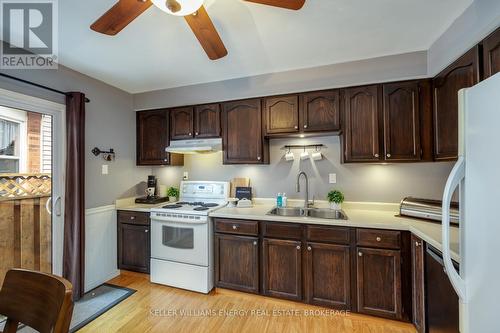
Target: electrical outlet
<point>332,178</point>
<point>104,169</point>
<point>185,176</point>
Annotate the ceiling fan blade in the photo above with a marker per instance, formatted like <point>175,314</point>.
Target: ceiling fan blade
<point>204,30</point>
<point>288,4</point>
<point>119,16</point>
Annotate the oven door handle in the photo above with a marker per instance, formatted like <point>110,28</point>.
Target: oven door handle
<point>176,224</point>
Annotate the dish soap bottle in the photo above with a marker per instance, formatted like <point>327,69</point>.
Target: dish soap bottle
<point>279,201</point>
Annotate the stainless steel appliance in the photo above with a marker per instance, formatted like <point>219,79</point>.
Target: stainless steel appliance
<point>427,209</point>
<point>182,238</point>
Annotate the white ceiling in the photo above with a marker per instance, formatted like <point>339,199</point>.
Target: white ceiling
<point>159,51</point>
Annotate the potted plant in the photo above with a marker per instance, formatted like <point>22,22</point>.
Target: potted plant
<point>172,193</point>
<point>336,198</point>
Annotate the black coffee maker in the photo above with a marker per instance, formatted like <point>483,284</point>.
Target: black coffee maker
<point>151,191</point>
<point>152,194</point>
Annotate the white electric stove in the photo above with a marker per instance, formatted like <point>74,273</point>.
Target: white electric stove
<point>182,237</point>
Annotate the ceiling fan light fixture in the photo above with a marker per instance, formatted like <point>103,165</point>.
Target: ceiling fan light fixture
<point>178,7</point>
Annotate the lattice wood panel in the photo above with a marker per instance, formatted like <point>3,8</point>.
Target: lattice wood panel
<point>24,185</point>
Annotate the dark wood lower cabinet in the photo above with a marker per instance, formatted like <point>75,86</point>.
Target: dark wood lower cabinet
<point>418,276</point>
<point>237,262</point>
<point>282,268</point>
<point>379,282</point>
<point>134,247</point>
<point>328,275</point>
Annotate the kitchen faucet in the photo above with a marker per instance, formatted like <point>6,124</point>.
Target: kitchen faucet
<point>306,200</point>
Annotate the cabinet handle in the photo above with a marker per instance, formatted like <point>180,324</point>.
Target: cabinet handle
<point>196,133</point>
<point>379,239</point>
<point>235,227</point>
<point>376,155</point>
<point>254,242</point>
<point>165,160</point>
<point>258,158</point>
<point>360,254</point>
<point>305,126</point>
<point>417,244</point>
<point>388,155</point>
<point>298,247</point>
<point>309,248</point>
<point>146,230</point>
<point>190,133</point>
<point>296,127</point>
<point>132,217</point>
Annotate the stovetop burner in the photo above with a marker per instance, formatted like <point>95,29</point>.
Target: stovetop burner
<point>210,204</point>
<point>172,206</point>
<point>197,203</point>
<point>201,208</point>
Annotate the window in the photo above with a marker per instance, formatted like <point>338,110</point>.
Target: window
<point>9,146</point>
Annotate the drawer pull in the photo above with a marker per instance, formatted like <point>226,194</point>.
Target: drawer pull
<point>360,254</point>
<point>305,126</point>
<point>235,227</point>
<point>254,242</point>
<point>132,217</point>
<point>146,230</point>
<point>298,247</point>
<point>376,155</point>
<point>309,248</point>
<point>379,239</point>
<point>417,244</point>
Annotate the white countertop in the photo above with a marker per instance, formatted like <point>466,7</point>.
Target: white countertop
<point>360,215</point>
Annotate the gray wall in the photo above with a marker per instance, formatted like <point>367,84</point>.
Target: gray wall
<point>478,20</point>
<point>110,123</point>
<point>380,182</point>
<point>383,69</point>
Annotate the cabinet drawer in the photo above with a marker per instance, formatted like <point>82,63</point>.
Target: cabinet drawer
<point>282,230</point>
<point>328,234</point>
<point>125,216</point>
<point>239,227</point>
<point>388,239</point>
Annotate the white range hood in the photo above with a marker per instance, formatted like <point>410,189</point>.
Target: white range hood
<point>197,146</point>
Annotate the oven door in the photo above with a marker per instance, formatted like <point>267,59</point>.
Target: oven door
<point>180,242</point>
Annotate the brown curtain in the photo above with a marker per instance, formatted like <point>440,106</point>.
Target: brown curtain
<point>74,208</point>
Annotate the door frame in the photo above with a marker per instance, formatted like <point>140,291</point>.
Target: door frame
<point>24,102</point>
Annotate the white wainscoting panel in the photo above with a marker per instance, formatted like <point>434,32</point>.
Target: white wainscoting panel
<point>100,246</point>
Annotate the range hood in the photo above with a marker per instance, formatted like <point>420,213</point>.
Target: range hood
<point>196,146</point>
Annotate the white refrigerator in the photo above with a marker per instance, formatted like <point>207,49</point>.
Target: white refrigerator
<point>477,175</point>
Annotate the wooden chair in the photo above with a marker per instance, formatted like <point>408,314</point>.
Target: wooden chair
<point>41,301</point>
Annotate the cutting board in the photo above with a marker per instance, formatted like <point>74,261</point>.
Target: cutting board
<point>238,182</point>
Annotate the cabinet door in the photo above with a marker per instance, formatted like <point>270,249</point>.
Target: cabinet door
<point>491,54</point>
<point>282,268</point>
<point>418,273</point>
<point>242,137</point>
<point>181,123</point>
<point>281,114</point>
<point>328,275</point>
<point>134,247</point>
<point>379,282</point>
<point>401,121</point>
<point>207,121</point>
<point>320,111</point>
<point>463,73</point>
<point>361,126</point>
<point>237,262</point>
<point>152,137</point>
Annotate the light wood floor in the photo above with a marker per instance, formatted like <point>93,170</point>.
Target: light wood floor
<point>157,308</point>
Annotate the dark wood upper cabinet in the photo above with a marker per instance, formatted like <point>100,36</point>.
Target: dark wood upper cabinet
<point>491,54</point>
<point>401,119</point>
<point>328,275</point>
<point>281,114</point>
<point>152,137</point>
<point>463,73</point>
<point>379,282</point>
<point>207,121</point>
<point>320,111</point>
<point>181,123</point>
<point>242,138</point>
<point>418,276</point>
<point>361,124</point>
<point>282,268</point>
<point>237,262</point>
<point>134,241</point>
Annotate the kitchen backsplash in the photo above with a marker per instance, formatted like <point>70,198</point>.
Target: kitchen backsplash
<point>359,182</point>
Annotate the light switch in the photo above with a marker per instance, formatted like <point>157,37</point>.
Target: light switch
<point>185,176</point>
<point>332,178</point>
<point>104,169</point>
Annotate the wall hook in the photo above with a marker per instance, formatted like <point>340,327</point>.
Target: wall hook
<point>107,155</point>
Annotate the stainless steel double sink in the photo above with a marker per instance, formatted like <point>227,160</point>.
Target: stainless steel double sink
<point>320,213</point>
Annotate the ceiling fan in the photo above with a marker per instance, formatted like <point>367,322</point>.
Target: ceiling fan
<point>125,11</point>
